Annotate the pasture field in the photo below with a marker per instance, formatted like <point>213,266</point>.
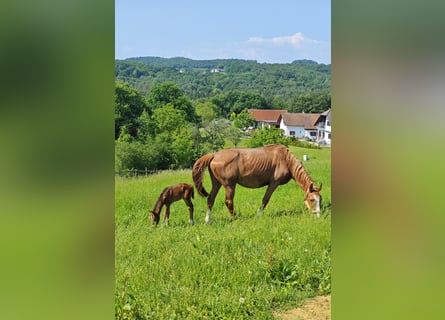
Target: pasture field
<point>243,269</point>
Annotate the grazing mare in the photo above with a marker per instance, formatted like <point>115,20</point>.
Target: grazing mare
<point>168,196</point>
<point>270,166</point>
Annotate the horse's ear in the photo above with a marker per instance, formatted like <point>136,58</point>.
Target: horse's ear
<point>319,188</point>
<point>311,187</point>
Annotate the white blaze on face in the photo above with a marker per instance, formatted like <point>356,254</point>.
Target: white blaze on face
<point>313,203</point>
<point>317,208</point>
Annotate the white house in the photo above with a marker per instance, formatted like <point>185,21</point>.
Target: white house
<point>314,126</point>
<point>300,125</point>
<point>324,128</point>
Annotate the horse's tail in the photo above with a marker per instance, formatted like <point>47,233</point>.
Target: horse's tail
<point>198,173</point>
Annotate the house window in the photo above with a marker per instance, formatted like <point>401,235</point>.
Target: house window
<point>329,136</point>
<point>313,134</point>
<point>292,133</point>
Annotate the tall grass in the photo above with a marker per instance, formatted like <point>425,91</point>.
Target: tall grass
<point>225,270</point>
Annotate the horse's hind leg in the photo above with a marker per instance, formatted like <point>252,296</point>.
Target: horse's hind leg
<point>230,193</point>
<point>211,199</point>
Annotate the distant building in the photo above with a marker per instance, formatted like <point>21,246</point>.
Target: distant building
<point>300,125</point>
<point>267,118</point>
<point>324,128</point>
<point>313,126</point>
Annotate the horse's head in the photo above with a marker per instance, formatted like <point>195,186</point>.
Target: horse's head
<point>155,217</point>
<point>313,199</point>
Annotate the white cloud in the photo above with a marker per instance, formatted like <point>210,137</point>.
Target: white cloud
<point>296,40</point>
<point>285,49</point>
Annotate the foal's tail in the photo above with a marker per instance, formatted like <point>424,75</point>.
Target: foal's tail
<point>198,173</point>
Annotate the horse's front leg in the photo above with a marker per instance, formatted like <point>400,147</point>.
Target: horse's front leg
<point>230,193</point>
<point>270,189</point>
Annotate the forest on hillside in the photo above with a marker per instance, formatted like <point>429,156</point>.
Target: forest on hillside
<point>300,86</point>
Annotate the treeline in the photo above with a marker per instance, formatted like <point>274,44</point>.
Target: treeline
<point>300,86</point>
<point>166,130</point>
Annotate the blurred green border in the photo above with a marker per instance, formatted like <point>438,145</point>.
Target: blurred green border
<point>57,153</point>
<point>57,189</point>
<point>388,80</point>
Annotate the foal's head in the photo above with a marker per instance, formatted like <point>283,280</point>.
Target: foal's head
<point>155,217</point>
<point>313,199</point>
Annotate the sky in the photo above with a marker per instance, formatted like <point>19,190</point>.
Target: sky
<point>274,31</point>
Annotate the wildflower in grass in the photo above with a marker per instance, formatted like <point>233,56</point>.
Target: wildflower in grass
<point>242,300</point>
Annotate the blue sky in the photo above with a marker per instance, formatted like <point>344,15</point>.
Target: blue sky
<point>277,31</point>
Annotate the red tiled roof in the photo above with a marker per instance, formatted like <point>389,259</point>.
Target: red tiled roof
<point>305,120</point>
<point>267,115</point>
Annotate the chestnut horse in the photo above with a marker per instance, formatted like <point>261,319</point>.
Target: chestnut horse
<point>270,166</point>
<point>168,196</point>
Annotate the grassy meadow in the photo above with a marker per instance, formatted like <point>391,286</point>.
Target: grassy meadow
<point>225,270</point>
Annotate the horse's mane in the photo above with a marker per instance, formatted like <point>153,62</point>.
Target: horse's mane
<point>298,171</point>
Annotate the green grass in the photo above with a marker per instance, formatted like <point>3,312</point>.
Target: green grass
<point>225,270</point>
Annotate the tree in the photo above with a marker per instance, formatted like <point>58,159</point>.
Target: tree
<point>169,93</point>
<point>167,119</point>
<point>145,126</point>
<point>129,105</point>
<point>236,101</point>
<point>182,146</point>
<point>206,111</point>
<point>175,134</point>
<point>211,138</point>
<point>162,94</point>
<point>243,120</point>
<point>313,102</point>
<point>233,134</point>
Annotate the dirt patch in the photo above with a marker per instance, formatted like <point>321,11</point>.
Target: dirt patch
<point>318,308</point>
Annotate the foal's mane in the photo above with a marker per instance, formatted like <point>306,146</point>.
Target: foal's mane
<point>298,171</point>
<point>160,201</point>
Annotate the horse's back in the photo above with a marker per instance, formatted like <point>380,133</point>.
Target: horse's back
<point>250,167</point>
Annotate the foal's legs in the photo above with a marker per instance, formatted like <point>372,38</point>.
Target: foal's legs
<point>230,193</point>
<point>167,213</point>
<point>189,204</point>
<point>270,189</point>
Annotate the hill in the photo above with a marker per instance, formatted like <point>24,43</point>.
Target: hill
<point>282,85</point>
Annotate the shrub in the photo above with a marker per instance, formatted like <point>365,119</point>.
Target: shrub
<point>264,136</point>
